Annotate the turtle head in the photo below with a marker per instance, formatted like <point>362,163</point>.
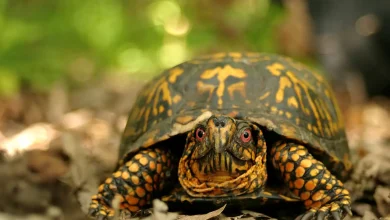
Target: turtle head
<point>223,154</point>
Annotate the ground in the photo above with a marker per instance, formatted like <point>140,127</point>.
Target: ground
<point>57,147</point>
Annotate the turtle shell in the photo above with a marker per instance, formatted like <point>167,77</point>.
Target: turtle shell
<point>271,90</point>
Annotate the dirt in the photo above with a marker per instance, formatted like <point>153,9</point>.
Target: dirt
<point>55,149</point>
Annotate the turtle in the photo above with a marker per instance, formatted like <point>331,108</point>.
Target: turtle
<point>231,128</point>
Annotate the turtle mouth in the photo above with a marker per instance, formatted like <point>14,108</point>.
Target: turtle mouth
<point>219,167</point>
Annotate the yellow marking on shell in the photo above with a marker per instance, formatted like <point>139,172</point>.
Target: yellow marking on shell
<point>222,73</point>
<point>309,127</point>
<point>274,109</point>
<point>174,73</point>
<point>284,83</point>
<point>306,86</point>
<point>184,119</point>
<point>239,87</point>
<point>161,109</point>
<point>275,68</point>
<point>292,102</point>
<point>281,112</point>
<point>169,112</point>
<point>315,130</point>
<point>297,120</point>
<point>288,115</point>
<point>264,96</point>
<point>176,99</point>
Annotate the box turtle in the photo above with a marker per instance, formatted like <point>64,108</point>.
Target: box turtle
<point>233,128</point>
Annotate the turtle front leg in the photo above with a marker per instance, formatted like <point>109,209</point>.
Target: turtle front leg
<point>135,182</point>
<point>322,193</point>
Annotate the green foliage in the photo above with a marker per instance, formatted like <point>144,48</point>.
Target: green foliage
<point>43,41</point>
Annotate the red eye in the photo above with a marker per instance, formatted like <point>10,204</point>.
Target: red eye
<point>200,134</point>
<point>246,136</point>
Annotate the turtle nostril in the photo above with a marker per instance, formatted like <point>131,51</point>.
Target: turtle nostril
<point>220,122</point>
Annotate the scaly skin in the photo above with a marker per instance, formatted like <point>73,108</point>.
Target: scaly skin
<point>322,193</point>
<point>136,182</point>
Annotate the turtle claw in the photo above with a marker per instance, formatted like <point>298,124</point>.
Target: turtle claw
<point>329,211</point>
<point>99,211</point>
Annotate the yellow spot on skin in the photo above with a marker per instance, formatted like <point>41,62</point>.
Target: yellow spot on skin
<point>316,205</point>
<point>288,115</point>
<point>292,102</point>
<point>169,113</point>
<point>174,73</point>
<point>152,165</point>
<point>308,202</point>
<point>159,168</point>
<point>280,112</point>
<point>117,174</point>
<point>265,95</point>
<point>328,186</point>
<point>140,192</point>
<point>299,183</point>
<point>305,195</point>
<point>309,127</point>
<point>309,186</point>
<point>295,157</point>
<point>132,200</point>
<point>108,180</point>
<point>314,172</point>
<point>300,171</point>
<point>134,168</point>
<point>306,163</point>
<point>301,152</point>
<point>143,161</point>
<point>147,177</point>
<point>318,195</point>
<point>125,175</point>
<point>274,109</point>
<point>275,68</point>
<point>135,179</point>
<point>284,83</point>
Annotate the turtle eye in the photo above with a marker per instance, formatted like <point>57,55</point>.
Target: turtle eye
<point>200,134</point>
<point>246,136</point>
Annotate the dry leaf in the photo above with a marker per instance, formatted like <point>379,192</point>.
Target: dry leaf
<point>209,215</point>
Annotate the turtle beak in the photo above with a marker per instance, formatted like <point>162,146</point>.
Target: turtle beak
<point>219,132</point>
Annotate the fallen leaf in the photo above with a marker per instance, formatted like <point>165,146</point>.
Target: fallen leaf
<point>209,215</point>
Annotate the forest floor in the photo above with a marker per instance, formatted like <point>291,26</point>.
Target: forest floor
<point>56,148</point>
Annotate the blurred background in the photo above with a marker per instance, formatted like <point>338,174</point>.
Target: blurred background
<point>69,72</point>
